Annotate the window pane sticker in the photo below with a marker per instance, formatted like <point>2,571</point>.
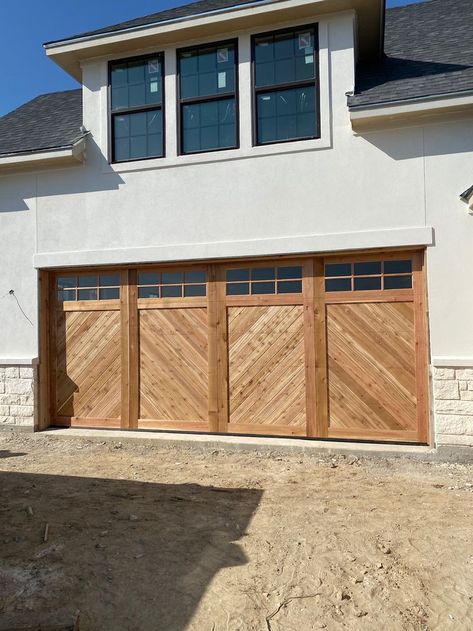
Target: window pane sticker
<point>222,55</point>
<point>153,66</point>
<point>222,80</point>
<point>305,41</point>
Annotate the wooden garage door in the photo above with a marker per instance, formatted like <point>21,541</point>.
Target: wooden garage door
<point>330,347</point>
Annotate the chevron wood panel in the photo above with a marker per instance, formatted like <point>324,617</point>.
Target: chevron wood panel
<point>88,364</point>
<point>266,366</point>
<point>174,364</point>
<point>371,366</point>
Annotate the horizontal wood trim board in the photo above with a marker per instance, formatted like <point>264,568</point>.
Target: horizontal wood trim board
<point>342,365</point>
<point>265,430</point>
<point>173,425</point>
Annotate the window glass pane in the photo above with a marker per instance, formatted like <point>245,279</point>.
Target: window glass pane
<point>207,126</point>
<point>285,57</point>
<point>338,284</point>
<point>138,135</point>
<point>87,294</point>
<point>88,281</point>
<point>207,70</point>
<point>109,280</point>
<point>136,83</point>
<point>109,293</point>
<point>367,268</point>
<point>194,290</point>
<point>148,292</point>
<point>172,278</point>
<point>398,267</point>
<point>196,277</point>
<point>286,114</point>
<point>367,284</point>
<point>238,289</point>
<point>398,282</point>
<point>63,282</point>
<point>66,295</point>
<point>290,287</point>
<point>263,288</point>
<point>149,278</point>
<point>262,273</point>
<point>290,272</point>
<point>338,269</point>
<point>171,291</point>
<point>238,274</point>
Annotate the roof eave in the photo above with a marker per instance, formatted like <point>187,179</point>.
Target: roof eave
<point>69,54</point>
<point>64,155</point>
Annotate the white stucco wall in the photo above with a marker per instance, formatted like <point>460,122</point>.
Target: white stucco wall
<point>383,188</point>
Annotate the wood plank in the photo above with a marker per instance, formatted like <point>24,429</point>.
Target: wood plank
<point>53,324</point>
<point>125,349</point>
<point>353,297</point>
<point>373,435</point>
<point>265,430</point>
<point>44,416</point>
<point>222,351</point>
<point>309,347</point>
<point>185,426</point>
<point>321,360</point>
<point>171,303</point>
<point>422,347</point>
<point>213,316</point>
<point>262,300</point>
<point>173,364</point>
<point>133,352</point>
<point>89,305</point>
<point>266,366</point>
<point>97,423</point>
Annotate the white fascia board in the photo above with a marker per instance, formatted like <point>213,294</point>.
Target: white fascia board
<point>75,152</point>
<point>175,24</point>
<point>307,244</point>
<point>433,105</point>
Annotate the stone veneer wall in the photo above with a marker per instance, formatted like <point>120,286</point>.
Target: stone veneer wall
<point>453,405</point>
<point>17,396</point>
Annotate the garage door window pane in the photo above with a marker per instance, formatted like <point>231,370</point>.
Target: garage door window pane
<point>171,291</point>
<point>263,288</point>
<point>88,281</point>
<point>288,273</point>
<point>194,290</point>
<point>367,268</point>
<point>398,282</point>
<point>367,284</point>
<point>290,287</point>
<point>109,293</point>
<point>87,294</point>
<point>398,267</point>
<point>338,284</point>
<point>109,280</point>
<point>238,289</point>
<point>263,273</point>
<point>148,292</point>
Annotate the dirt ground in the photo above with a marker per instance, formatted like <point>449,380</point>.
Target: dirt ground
<point>145,537</point>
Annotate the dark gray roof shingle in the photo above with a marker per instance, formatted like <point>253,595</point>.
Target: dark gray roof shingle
<point>429,52</point>
<point>47,122</point>
<point>187,10</point>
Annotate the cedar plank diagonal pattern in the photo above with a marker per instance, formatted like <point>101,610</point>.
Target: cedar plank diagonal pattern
<point>266,366</point>
<point>371,365</point>
<point>88,364</point>
<point>174,364</point>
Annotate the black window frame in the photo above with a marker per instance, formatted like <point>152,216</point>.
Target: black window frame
<point>285,86</point>
<point>205,99</point>
<point>138,109</point>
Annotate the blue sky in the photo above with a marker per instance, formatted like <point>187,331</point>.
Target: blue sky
<point>26,24</point>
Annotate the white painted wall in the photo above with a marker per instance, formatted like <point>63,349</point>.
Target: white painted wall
<point>383,188</point>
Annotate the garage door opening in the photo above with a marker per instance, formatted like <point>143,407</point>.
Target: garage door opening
<point>332,347</point>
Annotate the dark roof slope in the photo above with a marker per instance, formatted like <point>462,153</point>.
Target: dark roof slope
<point>47,122</point>
<point>187,10</point>
<point>429,52</point>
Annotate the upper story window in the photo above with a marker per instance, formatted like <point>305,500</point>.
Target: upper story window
<point>285,76</point>
<point>208,98</point>
<point>137,108</point>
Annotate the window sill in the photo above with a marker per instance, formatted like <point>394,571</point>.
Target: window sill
<point>220,156</point>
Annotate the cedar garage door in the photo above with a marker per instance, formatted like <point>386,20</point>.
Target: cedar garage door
<point>330,348</point>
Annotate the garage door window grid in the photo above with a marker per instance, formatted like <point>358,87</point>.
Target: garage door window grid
<point>88,287</point>
<point>368,275</point>
<point>264,280</point>
<point>172,284</point>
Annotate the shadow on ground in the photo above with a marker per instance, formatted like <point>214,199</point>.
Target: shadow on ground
<point>128,555</point>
